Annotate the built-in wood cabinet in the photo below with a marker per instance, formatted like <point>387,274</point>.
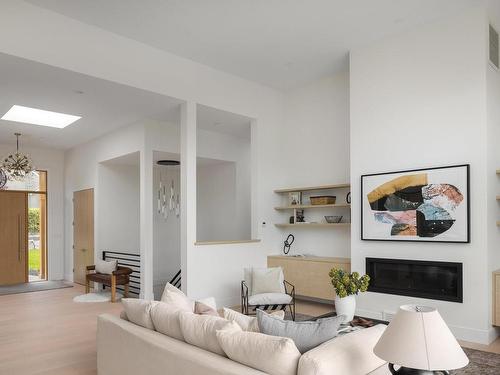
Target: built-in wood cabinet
<point>496,298</point>
<point>309,274</point>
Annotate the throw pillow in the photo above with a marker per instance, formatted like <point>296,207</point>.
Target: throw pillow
<point>267,280</point>
<point>138,311</point>
<point>106,266</point>
<point>272,355</point>
<point>202,309</point>
<point>248,323</point>
<point>306,335</point>
<point>166,320</point>
<point>210,301</point>
<point>169,287</point>
<point>178,301</point>
<point>199,330</point>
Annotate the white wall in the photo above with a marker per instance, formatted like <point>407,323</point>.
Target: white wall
<point>118,209</point>
<point>314,146</point>
<point>81,172</point>
<point>419,100</point>
<point>216,217</point>
<point>53,162</point>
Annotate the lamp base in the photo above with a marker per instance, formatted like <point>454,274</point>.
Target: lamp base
<point>412,371</point>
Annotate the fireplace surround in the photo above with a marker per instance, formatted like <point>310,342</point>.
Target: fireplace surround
<point>416,278</point>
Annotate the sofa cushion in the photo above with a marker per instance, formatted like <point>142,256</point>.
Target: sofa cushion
<point>138,311</point>
<point>166,320</point>
<point>248,323</point>
<point>351,353</point>
<point>267,280</point>
<point>199,330</point>
<point>270,354</point>
<point>306,335</point>
<point>106,267</point>
<point>269,299</point>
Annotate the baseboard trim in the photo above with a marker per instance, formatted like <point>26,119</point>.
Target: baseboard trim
<point>480,336</point>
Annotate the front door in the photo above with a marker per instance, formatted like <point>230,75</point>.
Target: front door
<point>83,233</point>
<point>13,237</point>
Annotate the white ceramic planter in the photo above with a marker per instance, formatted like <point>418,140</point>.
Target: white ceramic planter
<point>346,306</point>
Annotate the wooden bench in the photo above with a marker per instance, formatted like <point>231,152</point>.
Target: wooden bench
<point>119,277</point>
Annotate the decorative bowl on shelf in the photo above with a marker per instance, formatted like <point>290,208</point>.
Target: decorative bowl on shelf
<point>333,219</point>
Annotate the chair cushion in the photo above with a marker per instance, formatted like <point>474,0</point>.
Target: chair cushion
<point>166,320</point>
<point>199,330</point>
<point>306,335</point>
<point>138,311</point>
<point>269,299</point>
<point>267,280</point>
<point>106,267</point>
<point>248,323</point>
<point>270,354</point>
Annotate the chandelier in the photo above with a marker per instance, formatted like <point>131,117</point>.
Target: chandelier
<point>17,165</point>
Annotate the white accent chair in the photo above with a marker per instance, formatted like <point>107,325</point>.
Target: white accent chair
<point>266,289</point>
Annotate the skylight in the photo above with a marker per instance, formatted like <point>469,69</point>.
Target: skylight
<point>41,117</point>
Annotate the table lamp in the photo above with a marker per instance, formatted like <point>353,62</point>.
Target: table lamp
<point>418,340</point>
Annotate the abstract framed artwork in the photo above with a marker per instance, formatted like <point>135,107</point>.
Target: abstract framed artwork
<point>423,205</point>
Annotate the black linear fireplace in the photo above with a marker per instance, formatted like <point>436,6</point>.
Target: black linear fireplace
<point>416,278</point>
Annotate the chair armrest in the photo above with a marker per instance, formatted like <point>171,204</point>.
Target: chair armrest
<point>122,271</point>
<point>351,353</point>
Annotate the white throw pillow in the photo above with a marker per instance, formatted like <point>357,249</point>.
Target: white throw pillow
<point>248,323</point>
<point>105,266</point>
<point>210,301</point>
<point>166,320</point>
<point>199,330</point>
<point>270,354</point>
<point>138,311</point>
<point>178,301</point>
<point>267,280</point>
<point>170,288</point>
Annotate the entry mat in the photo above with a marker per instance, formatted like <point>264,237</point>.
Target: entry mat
<point>36,286</point>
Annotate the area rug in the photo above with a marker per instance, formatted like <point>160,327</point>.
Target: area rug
<point>36,286</point>
<point>96,297</point>
<point>483,363</point>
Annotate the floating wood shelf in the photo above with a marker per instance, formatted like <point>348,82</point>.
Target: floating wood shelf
<point>314,225</point>
<point>498,197</point>
<point>498,223</point>
<point>312,188</point>
<point>302,206</point>
<point>498,171</point>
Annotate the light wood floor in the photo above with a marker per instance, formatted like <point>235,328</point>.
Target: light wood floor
<point>47,333</point>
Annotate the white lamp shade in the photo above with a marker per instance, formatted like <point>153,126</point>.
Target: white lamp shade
<point>418,338</point>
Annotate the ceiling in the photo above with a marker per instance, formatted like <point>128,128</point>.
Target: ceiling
<point>104,106</point>
<point>282,44</point>
<point>218,121</point>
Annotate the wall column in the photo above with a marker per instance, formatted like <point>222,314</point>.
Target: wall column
<point>146,207</point>
<point>188,187</point>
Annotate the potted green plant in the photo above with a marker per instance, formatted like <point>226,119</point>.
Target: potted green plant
<point>347,285</point>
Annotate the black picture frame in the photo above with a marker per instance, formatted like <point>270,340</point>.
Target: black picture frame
<point>467,194</point>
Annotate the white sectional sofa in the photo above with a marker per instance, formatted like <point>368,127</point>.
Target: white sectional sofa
<point>124,348</point>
